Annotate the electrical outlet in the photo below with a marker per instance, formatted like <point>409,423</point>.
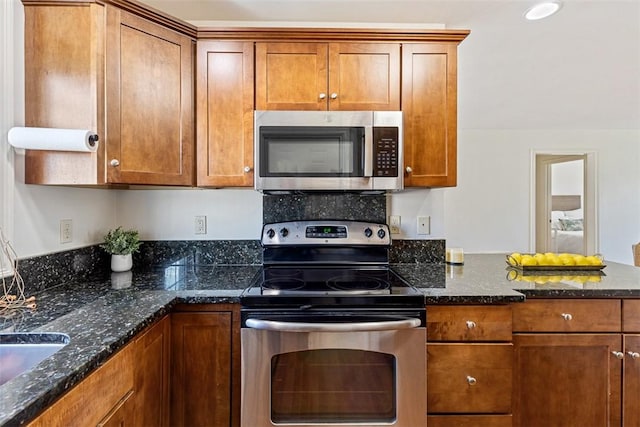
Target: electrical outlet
<point>66,231</point>
<point>424,225</point>
<point>200,224</point>
<point>394,224</point>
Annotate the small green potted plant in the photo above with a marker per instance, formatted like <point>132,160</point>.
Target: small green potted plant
<point>121,244</point>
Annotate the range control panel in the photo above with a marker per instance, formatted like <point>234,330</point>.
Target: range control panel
<point>325,233</point>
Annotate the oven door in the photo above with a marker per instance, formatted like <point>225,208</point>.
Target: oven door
<point>362,371</point>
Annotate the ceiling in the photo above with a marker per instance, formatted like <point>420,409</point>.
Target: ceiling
<point>579,69</point>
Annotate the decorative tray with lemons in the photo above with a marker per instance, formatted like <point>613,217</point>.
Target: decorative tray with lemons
<point>551,261</point>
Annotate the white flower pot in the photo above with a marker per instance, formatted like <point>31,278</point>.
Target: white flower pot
<point>121,262</point>
<point>121,279</point>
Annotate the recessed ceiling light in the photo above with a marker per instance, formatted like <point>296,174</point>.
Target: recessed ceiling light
<point>542,10</point>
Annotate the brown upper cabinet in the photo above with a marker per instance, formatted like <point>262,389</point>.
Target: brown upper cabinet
<point>327,76</point>
<point>429,104</point>
<point>224,93</point>
<point>94,66</point>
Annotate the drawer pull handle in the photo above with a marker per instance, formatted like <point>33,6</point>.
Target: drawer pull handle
<point>114,162</point>
<point>618,354</point>
<point>471,380</point>
<point>247,169</point>
<point>471,324</point>
<point>566,316</point>
<point>322,96</point>
<point>633,354</point>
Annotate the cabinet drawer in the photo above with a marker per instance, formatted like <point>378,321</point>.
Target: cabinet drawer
<point>469,378</point>
<point>469,421</point>
<point>631,315</point>
<point>567,315</point>
<point>468,323</point>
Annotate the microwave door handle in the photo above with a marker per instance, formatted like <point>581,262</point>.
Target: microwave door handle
<point>274,325</point>
<point>368,151</point>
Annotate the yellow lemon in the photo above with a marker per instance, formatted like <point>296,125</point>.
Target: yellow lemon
<point>568,260</point>
<point>580,260</point>
<point>515,258</point>
<point>594,260</point>
<point>528,260</point>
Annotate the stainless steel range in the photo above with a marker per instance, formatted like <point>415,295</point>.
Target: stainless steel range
<point>331,336</point>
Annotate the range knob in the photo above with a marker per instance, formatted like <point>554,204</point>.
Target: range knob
<point>270,233</point>
<point>284,232</point>
<point>381,233</point>
<point>368,232</point>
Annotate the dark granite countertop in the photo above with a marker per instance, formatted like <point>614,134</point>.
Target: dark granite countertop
<point>102,315</point>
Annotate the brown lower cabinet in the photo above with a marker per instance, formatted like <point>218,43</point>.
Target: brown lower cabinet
<point>570,366</point>
<point>130,389</point>
<point>205,366</point>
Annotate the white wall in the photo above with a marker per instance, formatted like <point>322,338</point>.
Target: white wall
<point>170,214</point>
<point>489,210</point>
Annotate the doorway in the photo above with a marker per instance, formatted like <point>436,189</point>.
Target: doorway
<point>564,203</point>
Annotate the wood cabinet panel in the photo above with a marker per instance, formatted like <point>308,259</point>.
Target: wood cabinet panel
<point>205,367</point>
<point>631,381</point>
<point>429,104</point>
<point>291,76</point>
<point>567,380</point>
<point>469,421</point>
<point>567,315</point>
<point>468,323</point>
<point>225,114</point>
<point>469,378</point>
<point>64,51</point>
<point>152,359</point>
<point>149,74</point>
<point>327,76</point>
<point>631,315</point>
<point>364,76</point>
<point>97,397</point>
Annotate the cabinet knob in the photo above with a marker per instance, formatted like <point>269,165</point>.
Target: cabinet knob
<point>114,162</point>
<point>471,380</point>
<point>247,169</point>
<point>618,354</point>
<point>471,324</point>
<point>566,316</point>
<point>322,95</point>
<point>334,95</point>
<point>633,354</point>
<point>408,169</point>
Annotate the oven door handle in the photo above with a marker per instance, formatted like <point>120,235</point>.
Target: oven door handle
<point>387,325</point>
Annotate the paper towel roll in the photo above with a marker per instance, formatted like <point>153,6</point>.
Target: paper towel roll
<point>53,139</point>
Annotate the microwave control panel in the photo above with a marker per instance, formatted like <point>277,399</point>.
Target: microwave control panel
<point>385,151</point>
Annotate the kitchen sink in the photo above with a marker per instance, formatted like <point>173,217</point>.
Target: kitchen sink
<point>20,352</point>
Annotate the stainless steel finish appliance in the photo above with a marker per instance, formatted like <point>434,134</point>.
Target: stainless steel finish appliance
<point>331,336</point>
<point>328,150</point>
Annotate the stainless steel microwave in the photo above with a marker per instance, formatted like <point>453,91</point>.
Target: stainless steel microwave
<point>328,150</point>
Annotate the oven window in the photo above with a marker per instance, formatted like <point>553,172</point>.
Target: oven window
<point>311,151</point>
<point>333,386</point>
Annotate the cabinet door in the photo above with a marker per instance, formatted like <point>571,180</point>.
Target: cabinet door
<point>631,381</point>
<point>429,103</point>
<point>225,114</point>
<point>153,349</point>
<point>202,367</point>
<point>291,76</point>
<point>364,76</point>
<point>149,73</point>
<point>469,378</point>
<point>97,398</point>
<point>122,415</point>
<point>567,380</point>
